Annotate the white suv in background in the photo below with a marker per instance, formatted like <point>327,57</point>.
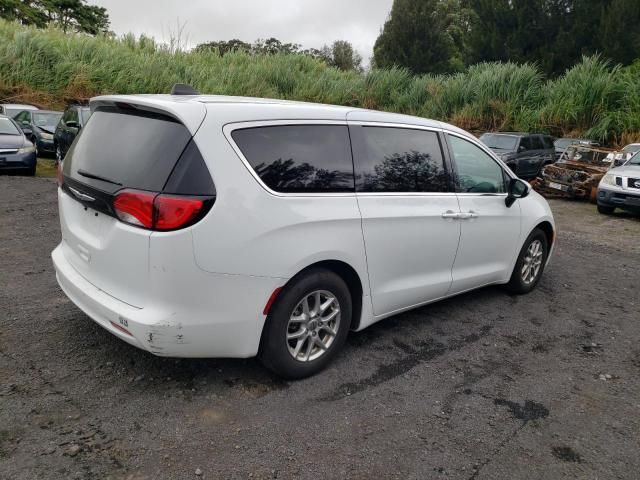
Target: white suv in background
<point>209,226</point>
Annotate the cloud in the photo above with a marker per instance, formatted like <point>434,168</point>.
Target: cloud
<point>311,23</point>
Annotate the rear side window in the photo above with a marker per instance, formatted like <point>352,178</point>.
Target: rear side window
<point>536,142</point>
<point>126,149</point>
<point>390,159</point>
<point>299,158</point>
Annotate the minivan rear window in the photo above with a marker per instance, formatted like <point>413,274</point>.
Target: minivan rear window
<point>299,158</point>
<point>126,148</point>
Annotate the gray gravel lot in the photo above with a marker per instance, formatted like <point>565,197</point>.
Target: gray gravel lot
<point>483,385</point>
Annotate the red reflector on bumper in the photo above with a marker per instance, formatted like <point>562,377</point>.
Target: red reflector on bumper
<point>272,299</point>
<point>121,328</point>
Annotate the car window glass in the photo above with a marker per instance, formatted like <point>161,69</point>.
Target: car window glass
<point>548,142</point>
<point>149,145</point>
<point>389,159</point>
<point>536,143</point>
<point>299,158</point>
<point>73,116</point>
<point>525,143</point>
<point>7,127</point>
<point>477,172</point>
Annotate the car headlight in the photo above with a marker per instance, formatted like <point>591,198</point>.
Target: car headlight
<point>608,179</point>
<point>27,149</point>
<point>46,136</point>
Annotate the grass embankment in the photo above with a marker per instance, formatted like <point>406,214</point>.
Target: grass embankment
<point>592,99</point>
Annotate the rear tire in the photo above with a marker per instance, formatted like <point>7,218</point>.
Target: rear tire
<point>605,210</point>
<point>299,323</point>
<point>530,264</point>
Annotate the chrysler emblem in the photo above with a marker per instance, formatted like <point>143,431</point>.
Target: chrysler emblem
<point>81,196</point>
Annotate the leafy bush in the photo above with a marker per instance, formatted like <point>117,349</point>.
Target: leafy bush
<point>593,98</point>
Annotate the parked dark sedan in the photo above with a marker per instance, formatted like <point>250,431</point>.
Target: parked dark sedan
<point>42,124</point>
<point>17,153</point>
<point>524,153</point>
<point>73,119</point>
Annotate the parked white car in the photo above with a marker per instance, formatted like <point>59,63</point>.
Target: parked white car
<point>210,226</point>
<point>620,188</point>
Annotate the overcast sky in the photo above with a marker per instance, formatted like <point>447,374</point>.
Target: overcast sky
<point>311,23</point>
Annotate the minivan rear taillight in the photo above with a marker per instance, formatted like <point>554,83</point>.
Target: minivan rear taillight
<point>160,212</point>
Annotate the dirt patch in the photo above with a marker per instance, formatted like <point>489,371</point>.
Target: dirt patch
<point>483,385</point>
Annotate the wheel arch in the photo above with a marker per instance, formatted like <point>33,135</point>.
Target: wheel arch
<point>351,278</point>
<point>549,232</point>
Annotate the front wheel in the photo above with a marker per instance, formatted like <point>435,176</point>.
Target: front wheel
<point>605,210</point>
<point>307,325</point>
<point>530,263</point>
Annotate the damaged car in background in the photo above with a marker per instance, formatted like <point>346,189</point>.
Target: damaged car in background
<point>576,174</point>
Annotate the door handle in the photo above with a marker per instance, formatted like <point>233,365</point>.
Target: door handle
<point>451,214</point>
<point>467,215</point>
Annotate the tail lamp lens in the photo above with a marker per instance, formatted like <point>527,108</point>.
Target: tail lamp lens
<point>175,212</point>
<point>156,211</point>
<point>135,208</point>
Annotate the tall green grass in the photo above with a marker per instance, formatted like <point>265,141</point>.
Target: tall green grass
<point>593,98</point>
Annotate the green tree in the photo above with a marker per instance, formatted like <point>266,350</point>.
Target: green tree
<point>620,31</point>
<point>69,15</point>
<point>224,47</point>
<point>424,36</point>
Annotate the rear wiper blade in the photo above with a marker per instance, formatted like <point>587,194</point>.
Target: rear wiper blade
<point>84,173</point>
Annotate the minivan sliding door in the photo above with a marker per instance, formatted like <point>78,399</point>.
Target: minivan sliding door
<point>408,210</point>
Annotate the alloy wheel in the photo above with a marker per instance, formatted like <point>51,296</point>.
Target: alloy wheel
<point>313,325</point>
<point>532,262</point>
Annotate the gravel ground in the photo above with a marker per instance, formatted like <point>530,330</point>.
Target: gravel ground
<point>482,386</point>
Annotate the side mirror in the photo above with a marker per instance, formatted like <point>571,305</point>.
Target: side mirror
<point>72,124</point>
<point>522,148</point>
<point>27,132</point>
<point>25,123</point>
<point>517,189</point>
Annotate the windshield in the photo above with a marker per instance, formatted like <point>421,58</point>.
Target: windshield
<point>563,143</point>
<point>499,142</point>
<point>7,127</point>
<point>47,120</point>
<point>635,160</point>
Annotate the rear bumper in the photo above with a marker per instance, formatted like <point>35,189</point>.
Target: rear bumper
<point>226,322</point>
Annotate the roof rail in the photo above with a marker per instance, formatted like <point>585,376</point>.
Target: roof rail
<point>183,89</point>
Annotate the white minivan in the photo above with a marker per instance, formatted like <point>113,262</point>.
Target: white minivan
<point>214,226</point>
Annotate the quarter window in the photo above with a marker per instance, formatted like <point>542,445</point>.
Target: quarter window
<point>390,159</point>
<point>477,171</point>
<point>299,158</point>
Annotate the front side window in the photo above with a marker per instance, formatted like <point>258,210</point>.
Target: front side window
<point>402,160</point>
<point>537,143</point>
<point>525,144</point>
<point>477,172</point>
<point>299,158</point>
